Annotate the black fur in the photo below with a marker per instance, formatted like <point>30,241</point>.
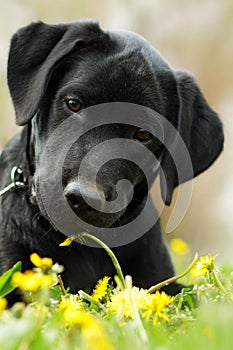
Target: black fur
<point>80,59</point>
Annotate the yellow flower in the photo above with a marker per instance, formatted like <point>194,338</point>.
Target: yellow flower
<point>79,317</point>
<point>3,304</point>
<point>179,246</point>
<point>101,288</point>
<point>71,301</point>
<point>92,331</point>
<point>43,263</point>
<point>31,280</point>
<point>120,302</point>
<point>71,306</point>
<point>66,242</point>
<point>94,336</point>
<point>156,304</point>
<point>204,265</point>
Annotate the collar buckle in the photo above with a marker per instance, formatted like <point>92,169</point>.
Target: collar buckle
<point>16,175</point>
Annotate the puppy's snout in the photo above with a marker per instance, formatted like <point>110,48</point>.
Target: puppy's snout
<point>87,198</point>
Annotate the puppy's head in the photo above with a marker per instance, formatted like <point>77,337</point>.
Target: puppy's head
<point>60,71</point>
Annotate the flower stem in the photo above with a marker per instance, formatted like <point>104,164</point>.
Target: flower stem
<point>217,281</point>
<point>110,253</point>
<point>137,320</point>
<point>174,278</point>
<point>85,296</point>
<point>61,285</point>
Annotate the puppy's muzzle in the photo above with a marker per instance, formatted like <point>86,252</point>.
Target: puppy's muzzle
<point>88,198</point>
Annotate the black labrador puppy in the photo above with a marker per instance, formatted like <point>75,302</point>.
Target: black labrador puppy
<point>56,71</point>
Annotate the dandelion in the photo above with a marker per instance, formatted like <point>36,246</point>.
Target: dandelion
<point>31,280</point>
<point>66,242</point>
<point>179,246</point>
<point>94,335</point>
<point>78,317</point>
<point>156,305</point>
<point>43,263</point>
<point>92,332</point>
<point>120,303</point>
<point>71,306</point>
<point>3,304</point>
<point>71,301</point>
<point>101,289</point>
<point>204,265</point>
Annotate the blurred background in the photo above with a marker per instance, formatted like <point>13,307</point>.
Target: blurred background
<point>196,35</point>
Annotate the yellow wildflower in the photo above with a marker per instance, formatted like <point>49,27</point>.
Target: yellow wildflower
<point>43,263</point>
<point>31,280</point>
<point>71,305</point>
<point>71,301</point>
<point>3,304</point>
<point>66,242</point>
<point>179,246</point>
<point>92,331</point>
<point>204,265</point>
<point>78,317</point>
<point>94,336</point>
<point>120,303</point>
<point>156,304</point>
<point>101,288</point>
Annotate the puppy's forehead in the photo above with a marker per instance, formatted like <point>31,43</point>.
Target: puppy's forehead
<point>118,75</point>
<point>130,40</point>
<point>118,45</point>
<point>117,66</point>
<point>114,52</point>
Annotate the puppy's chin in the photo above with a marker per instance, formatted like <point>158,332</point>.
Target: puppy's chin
<point>99,219</point>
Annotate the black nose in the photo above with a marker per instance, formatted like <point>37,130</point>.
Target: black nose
<point>89,198</point>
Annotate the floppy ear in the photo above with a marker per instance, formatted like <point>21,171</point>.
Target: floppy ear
<point>200,129</point>
<point>34,53</point>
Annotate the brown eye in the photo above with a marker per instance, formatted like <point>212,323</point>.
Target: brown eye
<point>142,135</point>
<point>73,104</point>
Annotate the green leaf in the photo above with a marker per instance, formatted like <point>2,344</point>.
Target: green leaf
<point>55,292</point>
<point>5,280</point>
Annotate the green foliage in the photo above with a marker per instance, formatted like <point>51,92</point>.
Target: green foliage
<point>120,317</point>
<point>5,280</point>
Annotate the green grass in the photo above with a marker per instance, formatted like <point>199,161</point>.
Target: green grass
<point>200,317</point>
